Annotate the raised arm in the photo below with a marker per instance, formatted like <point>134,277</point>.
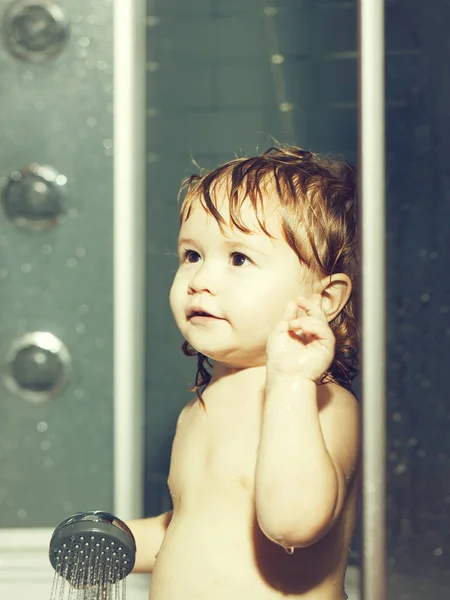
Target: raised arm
<point>309,442</point>
<point>306,460</point>
<point>149,534</point>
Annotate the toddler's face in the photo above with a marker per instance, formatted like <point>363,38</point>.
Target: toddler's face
<point>242,281</point>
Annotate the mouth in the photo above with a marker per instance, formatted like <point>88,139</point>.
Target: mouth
<point>196,312</point>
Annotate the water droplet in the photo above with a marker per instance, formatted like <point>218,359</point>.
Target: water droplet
<point>270,11</point>
<point>289,550</point>
<point>80,328</point>
<point>286,106</point>
<point>25,268</point>
<point>61,179</point>
<point>83,309</point>
<point>277,59</point>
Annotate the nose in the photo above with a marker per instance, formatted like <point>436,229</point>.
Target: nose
<point>204,280</point>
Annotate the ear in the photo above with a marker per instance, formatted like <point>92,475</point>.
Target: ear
<point>334,293</point>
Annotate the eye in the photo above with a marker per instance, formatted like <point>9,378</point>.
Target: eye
<point>238,259</point>
<point>190,256</point>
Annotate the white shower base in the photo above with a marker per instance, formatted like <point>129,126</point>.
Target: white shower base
<point>25,570</point>
<point>26,573</point>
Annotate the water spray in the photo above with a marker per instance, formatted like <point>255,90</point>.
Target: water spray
<point>93,552</point>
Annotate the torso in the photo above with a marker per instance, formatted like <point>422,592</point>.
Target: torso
<point>213,547</point>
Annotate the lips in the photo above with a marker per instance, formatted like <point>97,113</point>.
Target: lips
<point>199,312</point>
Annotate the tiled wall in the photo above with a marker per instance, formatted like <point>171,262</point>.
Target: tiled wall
<point>227,77</point>
<point>214,89</point>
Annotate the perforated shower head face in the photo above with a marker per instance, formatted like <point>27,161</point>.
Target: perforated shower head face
<point>92,548</point>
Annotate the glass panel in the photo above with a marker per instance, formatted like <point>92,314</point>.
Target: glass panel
<point>228,77</point>
<point>55,261</point>
<point>418,263</point>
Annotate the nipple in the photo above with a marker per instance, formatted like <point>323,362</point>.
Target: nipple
<point>289,550</point>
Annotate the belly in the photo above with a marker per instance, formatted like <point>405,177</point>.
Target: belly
<point>200,558</point>
<point>208,555</point>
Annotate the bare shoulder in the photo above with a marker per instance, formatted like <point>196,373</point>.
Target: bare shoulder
<point>188,407</point>
<point>334,397</point>
<point>339,414</point>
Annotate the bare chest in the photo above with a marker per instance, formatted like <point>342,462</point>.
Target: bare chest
<point>215,450</point>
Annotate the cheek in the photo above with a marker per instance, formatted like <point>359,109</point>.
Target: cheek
<point>261,306</point>
<point>268,294</point>
<point>174,297</point>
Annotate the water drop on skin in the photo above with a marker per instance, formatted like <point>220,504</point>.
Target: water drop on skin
<point>289,550</point>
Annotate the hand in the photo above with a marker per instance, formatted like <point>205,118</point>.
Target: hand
<point>302,344</point>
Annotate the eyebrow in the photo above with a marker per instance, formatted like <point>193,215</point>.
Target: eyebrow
<point>186,241</point>
<point>189,241</point>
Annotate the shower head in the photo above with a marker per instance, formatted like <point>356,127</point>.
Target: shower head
<point>94,548</point>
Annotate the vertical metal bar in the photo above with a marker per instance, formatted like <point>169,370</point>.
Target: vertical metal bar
<point>129,254</point>
<point>372,193</point>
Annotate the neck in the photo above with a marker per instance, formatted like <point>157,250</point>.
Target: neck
<point>233,375</point>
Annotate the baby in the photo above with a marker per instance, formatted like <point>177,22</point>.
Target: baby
<point>264,466</point>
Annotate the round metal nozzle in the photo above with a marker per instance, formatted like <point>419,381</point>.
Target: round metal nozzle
<point>92,548</point>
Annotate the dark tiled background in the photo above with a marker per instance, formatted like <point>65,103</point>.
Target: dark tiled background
<point>214,89</point>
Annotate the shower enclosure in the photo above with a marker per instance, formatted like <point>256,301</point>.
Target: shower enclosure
<point>105,106</point>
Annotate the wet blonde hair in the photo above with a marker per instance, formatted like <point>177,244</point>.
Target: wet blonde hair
<point>317,203</point>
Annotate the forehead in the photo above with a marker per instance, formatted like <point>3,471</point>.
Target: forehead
<point>241,214</point>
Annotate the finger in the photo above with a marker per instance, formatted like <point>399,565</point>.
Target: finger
<point>308,322</point>
<point>312,306</point>
<point>311,326</point>
<point>291,311</point>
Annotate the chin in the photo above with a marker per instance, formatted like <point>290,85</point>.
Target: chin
<point>231,359</point>
<point>214,354</point>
